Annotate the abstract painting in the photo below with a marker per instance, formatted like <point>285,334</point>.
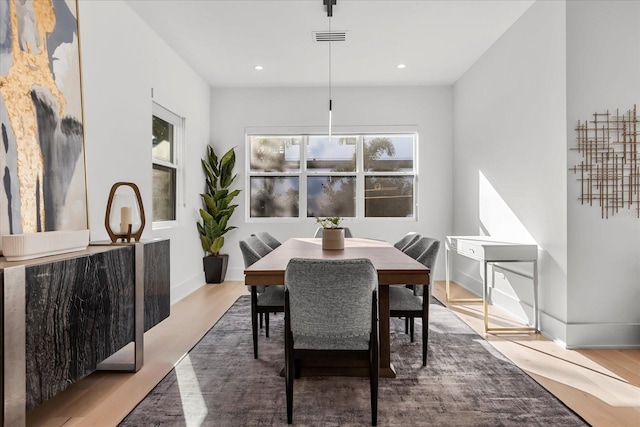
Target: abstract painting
<point>42,163</point>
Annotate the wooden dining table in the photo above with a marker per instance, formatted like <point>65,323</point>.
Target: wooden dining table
<point>393,266</point>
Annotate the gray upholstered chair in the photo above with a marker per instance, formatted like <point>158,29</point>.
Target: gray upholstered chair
<point>267,238</point>
<point>264,299</point>
<point>413,301</point>
<point>347,232</point>
<point>331,312</point>
<point>407,240</point>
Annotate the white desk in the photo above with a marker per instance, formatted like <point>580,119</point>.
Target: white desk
<point>489,250</point>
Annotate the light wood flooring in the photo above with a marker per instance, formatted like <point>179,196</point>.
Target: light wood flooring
<point>603,386</point>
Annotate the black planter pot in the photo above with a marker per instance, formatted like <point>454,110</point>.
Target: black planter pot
<point>215,267</point>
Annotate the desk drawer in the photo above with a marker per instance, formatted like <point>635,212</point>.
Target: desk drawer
<point>470,249</point>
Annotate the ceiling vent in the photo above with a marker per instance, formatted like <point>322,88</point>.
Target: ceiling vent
<point>330,36</point>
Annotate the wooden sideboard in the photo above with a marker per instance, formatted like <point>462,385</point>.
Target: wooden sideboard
<point>63,315</point>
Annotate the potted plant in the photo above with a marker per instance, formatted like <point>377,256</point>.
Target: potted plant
<point>217,211</point>
<point>332,233</point>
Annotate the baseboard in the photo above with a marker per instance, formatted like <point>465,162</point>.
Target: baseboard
<point>471,283</point>
<point>235,274</point>
<point>553,328</point>
<point>603,335</point>
<point>187,287</point>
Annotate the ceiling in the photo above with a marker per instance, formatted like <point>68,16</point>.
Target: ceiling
<point>222,40</point>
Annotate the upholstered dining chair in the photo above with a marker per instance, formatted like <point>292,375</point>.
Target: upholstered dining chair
<point>413,301</point>
<point>347,232</point>
<point>331,312</point>
<point>407,240</point>
<point>267,238</point>
<point>264,299</point>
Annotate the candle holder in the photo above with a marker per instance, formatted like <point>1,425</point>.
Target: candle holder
<point>124,218</point>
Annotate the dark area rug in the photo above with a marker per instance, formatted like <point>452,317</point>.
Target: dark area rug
<point>466,383</point>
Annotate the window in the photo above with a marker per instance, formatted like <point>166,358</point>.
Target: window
<point>352,176</point>
<point>167,131</point>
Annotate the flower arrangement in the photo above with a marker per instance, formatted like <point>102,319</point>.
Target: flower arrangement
<point>329,221</point>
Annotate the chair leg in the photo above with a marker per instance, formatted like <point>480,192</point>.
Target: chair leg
<point>266,325</point>
<point>289,360</point>
<point>425,331</point>
<point>289,385</point>
<point>412,327</point>
<point>374,373</point>
<point>374,361</point>
<point>261,320</point>
<point>289,374</point>
<point>254,320</point>
<point>406,325</point>
<point>296,366</point>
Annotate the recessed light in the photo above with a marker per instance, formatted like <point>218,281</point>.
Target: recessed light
<point>401,66</point>
<point>258,67</point>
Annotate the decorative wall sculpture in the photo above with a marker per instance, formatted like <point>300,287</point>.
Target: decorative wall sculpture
<point>609,172</point>
<point>42,162</point>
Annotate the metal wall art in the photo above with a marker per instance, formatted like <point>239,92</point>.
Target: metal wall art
<point>609,172</point>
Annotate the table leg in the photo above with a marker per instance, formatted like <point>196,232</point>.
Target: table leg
<point>386,368</point>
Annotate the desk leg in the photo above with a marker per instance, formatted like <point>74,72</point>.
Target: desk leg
<point>485,295</point>
<point>386,368</point>
<point>447,272</point>
<point>485,298</point>
<point>536,314</point>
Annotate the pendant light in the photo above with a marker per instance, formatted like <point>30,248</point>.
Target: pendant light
<point>329,4</point>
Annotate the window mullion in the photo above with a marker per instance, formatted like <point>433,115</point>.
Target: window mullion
<point>302,201</point>
<point>165,164</point>
<point>360,177</point>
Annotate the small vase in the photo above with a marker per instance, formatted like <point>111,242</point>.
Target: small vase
<point>333,239</point>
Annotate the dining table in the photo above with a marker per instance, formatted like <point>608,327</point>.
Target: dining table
<point>393,266</point>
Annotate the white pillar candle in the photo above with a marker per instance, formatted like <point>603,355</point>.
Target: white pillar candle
<point>125,219</point>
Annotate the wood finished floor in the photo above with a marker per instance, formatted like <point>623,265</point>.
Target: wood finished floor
<point>603,386</point>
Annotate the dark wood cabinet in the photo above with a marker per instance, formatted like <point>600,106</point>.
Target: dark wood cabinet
<point>64,315</point>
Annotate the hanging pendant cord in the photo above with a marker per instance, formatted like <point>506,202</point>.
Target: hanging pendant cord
<point>330,65</point>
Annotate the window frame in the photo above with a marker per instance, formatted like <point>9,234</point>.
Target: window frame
<point>303,173</point>
<point>177,151</point>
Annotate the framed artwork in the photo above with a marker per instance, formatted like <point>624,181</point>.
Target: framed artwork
<point>42,160</point>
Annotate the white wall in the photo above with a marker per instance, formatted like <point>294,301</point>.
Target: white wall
<point>510,158</point>
<point>515,113</point>
<point>427,110</point>
<point>122,60</point>
<point>603,73</point>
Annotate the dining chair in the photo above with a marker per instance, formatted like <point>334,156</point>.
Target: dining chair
<point>347,232</point>
<point>264,299</point>
<point>412,301</point>
<point>267,238</point>
<point>407,240</point>
<point>331,312</point>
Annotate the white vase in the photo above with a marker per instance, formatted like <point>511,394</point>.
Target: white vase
<point>20,247</point>
<point>333,239</point>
